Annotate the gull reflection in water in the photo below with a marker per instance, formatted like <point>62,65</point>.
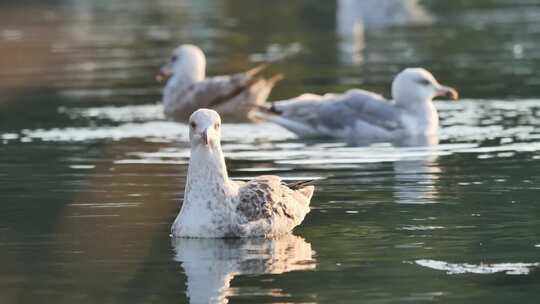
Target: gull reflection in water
<point>353,16</point>
<point>211,264</point>
<point>415,178</point>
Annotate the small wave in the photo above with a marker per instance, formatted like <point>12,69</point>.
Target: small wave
<point>149,162</point>
<point>164,130</point>
<point>461,268</point>
<point>420,228</point>
<point>132,113</point>
<point>82,167</point>
<point>104,205</point>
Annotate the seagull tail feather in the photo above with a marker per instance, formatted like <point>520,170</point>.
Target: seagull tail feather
<point>300,184</point>
<point>276,78</point>
<point>307,192</point>
<point>256,70</point>
<point>306,188</point>
<point>268,113</point>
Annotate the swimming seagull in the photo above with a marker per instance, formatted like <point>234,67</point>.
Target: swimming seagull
<point>215,206</point>
<point>188,89</point>
<point>358,115</point>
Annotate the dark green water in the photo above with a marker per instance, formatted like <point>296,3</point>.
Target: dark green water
<point>91,175</point>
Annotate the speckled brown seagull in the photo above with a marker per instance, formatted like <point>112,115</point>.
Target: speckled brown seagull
<point>188,89</point>
<point>215,206</point>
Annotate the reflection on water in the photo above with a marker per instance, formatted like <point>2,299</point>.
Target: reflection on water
<point>376,13</point>
<point>416,181</point>
<point>211,264</point>
<point>353,17</point>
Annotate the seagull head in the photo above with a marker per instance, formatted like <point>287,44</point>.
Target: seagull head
<point>417,85</point>
<point>187,60</point>
<point>205,128</point>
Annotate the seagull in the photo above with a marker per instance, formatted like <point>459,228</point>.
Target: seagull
<point>216,207</point>
<point>359,115</point>
<point>188,89</point>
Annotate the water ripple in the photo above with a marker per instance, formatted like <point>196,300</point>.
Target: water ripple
<point>462,268</point>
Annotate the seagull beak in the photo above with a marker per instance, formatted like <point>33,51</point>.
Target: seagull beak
<point>447,92</point>
<point>204,136</point>
<point>164,73</point>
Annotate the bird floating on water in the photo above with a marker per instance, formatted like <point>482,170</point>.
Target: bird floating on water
<point>188,89</point>
<point>215,206</point>
<point>359,115</point>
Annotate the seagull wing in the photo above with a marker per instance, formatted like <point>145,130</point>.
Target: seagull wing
<point>314,115</point>
<point>242,89</point>
<point>270,207</point>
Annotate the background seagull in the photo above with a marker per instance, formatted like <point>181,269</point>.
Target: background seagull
<point>215,206</point>
<point>187,89</point>
<point>359,115</point>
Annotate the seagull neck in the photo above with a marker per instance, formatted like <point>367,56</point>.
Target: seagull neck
<point>419,107</point>
<point>180,81</point>
<point>190,71</point>
<point>183,78</point>
<point>207,165</point>
<point>185,74</point>
<point>423,114</point>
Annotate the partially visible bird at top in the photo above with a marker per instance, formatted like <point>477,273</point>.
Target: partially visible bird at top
<point>358,116</point>
<point>188,89</point>
<point>216,207</point>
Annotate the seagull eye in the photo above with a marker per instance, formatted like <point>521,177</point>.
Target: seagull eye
<point>424,82</point>
<point>193,125</point>
<point>173,58</point>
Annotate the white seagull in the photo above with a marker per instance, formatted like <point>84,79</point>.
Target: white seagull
<point>188,89</point>
<point>215,206</point>
<point>359,115</point>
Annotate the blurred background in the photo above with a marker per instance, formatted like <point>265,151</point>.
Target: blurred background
<point>92,51</point>
<point>91,174</point>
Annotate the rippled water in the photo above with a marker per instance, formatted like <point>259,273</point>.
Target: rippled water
<point>91,174</point>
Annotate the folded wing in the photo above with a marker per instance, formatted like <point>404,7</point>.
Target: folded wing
<point>228,94</point>
<point>270,207</point>
<point>314,115</point>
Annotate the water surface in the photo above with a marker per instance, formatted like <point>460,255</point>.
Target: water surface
<point>92,175</point>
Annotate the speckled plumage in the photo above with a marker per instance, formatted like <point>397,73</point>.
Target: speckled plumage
<point>215,206</point>
<point>266,199</point>
<point>233,96</point>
